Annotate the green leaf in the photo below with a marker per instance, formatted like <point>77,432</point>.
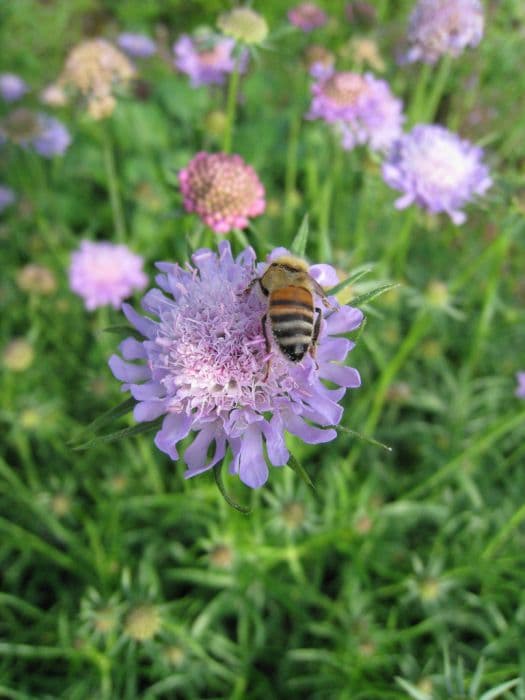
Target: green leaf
<point>119,434</point>
<point>354,277</point>
<point>372,294</point>
<point>124,330</point>
<point>414,692</point>
<point>108,416</point>
<point>301,471</point>
<point>370,440</point>
<point>217,469</point>
<point>298,246</point>
<point>499,690</point>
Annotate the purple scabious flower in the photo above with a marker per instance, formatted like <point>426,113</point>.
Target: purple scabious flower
<point>12,87</point>
<point>520,389</point>
<point>436,169</point>
<point>439,27</point>
<point>105,273</point>
<point>203,365</point>
<point>206,58</point>
<point>7,197</point>
<point>222,190</point>
<point>136,45</point>
<point>53,138</point>
<point>307,16</point>
<point>362,106</point>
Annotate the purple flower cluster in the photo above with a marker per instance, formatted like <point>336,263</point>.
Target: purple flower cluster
<point>206,58</point>
<point>204,366</point>
<point>7,197</point>
<point>307,16</point>
<point>362,106</point>
<point>440,27</point>
<point>53,138</point>
<point>520,389</point>
<point>12,87</point>
<point>436,169</point>
<point>136,45</point>
<point>105,273</point>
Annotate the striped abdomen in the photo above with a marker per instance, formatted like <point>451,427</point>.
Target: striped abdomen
<point>291,313</point>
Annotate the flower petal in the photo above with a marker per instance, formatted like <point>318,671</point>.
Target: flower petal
<point>175,427</point>
<point>273,432</point>
<point>340,374</point>
<point>196,455</point>
<point>343,320</point>
<point>252,467</point>
<point>127,372</point>
<point>325,275</point>
<point>146,326</point>
<point>132,349</point>
<point>308,433</point>
<point>145,411</point>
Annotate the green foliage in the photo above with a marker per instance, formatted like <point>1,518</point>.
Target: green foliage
<point>400,573</point>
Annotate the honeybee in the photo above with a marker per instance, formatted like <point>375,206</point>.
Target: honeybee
<point>295,321</point>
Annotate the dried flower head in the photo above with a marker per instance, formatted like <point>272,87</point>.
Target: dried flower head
<point>439,27</point>
<point>105,273</point>
<point>244,25</point>
<point>437,170</point>
<point>143,622</point>
<point>46,135</point>
<point>136,45</point>
<point>207,58</point>
<point>12,87</point>
<point>53,95</point>
<point>307,16</point>
<point>36,279</point>
<point>520,389</point>
<point>204,366</point>
<point>363,107</point>
<point>95,68</point>
<point>222,190</point>
<point>365,52</point>
<point>7,197</point>
<point>18,355</point>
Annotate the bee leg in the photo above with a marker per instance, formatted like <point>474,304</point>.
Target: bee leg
<point>315,334</point>
<point>267,341</point>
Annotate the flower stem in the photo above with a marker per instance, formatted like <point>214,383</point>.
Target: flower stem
<point>416,111</point>
<point>231,104</point>
<point>113,187</point>
<point>438,87</point>
<point>401,247</point>
<point>291,172</point>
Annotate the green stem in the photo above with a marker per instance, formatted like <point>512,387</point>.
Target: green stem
<point>290,177</point>
<point>438,88</point>
<point>401,247</point>
<point>326,199</point>
<point>117,211</point>
<point>415,112</point>
<point>231,104</point>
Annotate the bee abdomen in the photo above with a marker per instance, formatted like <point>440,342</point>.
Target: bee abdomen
<point>292,320</point>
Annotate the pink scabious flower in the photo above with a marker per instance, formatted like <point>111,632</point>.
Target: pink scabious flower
<point>437,170</point>
<point>105,273</point>
<point>206,58</point>
<point>439,27</point>
<point>307,16</point>
<point>520,389</point>
<point>12,87</point>
<point>203,365</point>
<point>363,108</point>
<point>222,190</point>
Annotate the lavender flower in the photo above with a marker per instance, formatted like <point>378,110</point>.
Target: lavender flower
<point>520,389</point>
<point>46,135</point>
<point>136,45</point>
<point>203,367</point>
<point>53,138</point>
<point>222,190</point>
<point>437,170</point>
<point>363,107</point>
<point>439,27</point>
<point>12,87</point>
<point>105,273</point>
<point>7,197</point>
<point>307,16</point>
<point>206,58</point>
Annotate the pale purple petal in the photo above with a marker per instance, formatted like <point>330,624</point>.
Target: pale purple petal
<point>339,374</point>
<point>344,320</point>
<point>175,427</point>
<point>325,275</point>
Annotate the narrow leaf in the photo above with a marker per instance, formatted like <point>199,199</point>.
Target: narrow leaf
<point>108,416</point>
<point>499,690</point>
<point>298,246</point>
<point>366,438</point>
<point>124,330</point>
<point>119,434</point>
<point>217,469</point>
<point>372,294</point>
<point>301,471</point>
<point>355,277</point>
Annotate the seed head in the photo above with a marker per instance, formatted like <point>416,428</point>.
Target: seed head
<point>143,622</point>
<point>36,279</point>
<point>244,25</point>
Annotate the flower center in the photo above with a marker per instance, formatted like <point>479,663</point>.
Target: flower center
<point>441,164</point>
<point>345,89</point>
<point>223,187</point>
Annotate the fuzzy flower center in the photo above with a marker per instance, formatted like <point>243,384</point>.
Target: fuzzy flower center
<point>345,89</point>
<point>441,164</point>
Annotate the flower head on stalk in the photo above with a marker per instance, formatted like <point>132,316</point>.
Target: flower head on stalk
<point>203,365</point>
<point>95,69</point>
<point>105,274</point>
<point>7,197</point>
<point>436,169</point>
<point>307,16</point>
<point>207,58</point>
<point>136,45</point>
<point>440,27</point>
<point>363,108</point>
<point>244,25</point>
<point>520,389</point>
<point>46,135</point>
<point>222,190</point>
<point>12,87</point>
